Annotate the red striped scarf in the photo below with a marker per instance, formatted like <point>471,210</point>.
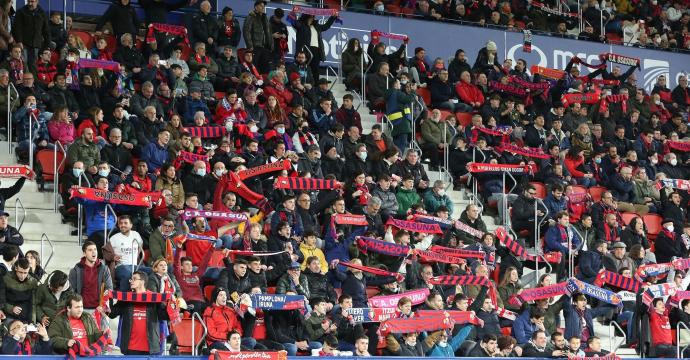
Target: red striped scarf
<point>264,169</point>
<point>460,317</point>
<point>587,98</point>
<point>621,98</point>
<point>549,73</point>
<point>460,253</point>
<point>385,35</point>
<point>459,280</point>
<point>426,256</point>
<point>148,297</point>
<point>437,321</point>
<point>529,152</point>
<point>578,60</point>
<point>678,145</point>
<point>487,167</point>
<point>512,245</point>
<point>508,89</point>
<point>129,199</point>
<point>300,183</point>
<point>206,132</point>
<point>93,349</point>
<point>170,29</point>
<point>544,292</point>
<point>530,85</point>
<point>366,244</point>
<point>611,356</point>
<point>415,226</point>
<point>350,219</point>
<point>253,253</point>
<point>369,269</point>
<point>617,280</point>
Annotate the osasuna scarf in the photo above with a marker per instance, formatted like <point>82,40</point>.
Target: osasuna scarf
<point>300,183</point>
<point>113,66</point>
<point>586,98</point>
<point>460,253</point>
<point>612,356</point>
<point>508,89</point>
<point>191,158</point>
<point>544,292</point>
<point>549,73</point>
<point>366,244</point>
<point>140,199</point>
<point>437,321</point>
<point>221,215</point>
<point>579,60</point>
<point>254,355</point>
<point>170,29</point>
<point>445,224</point>
<point>459,280</point>
<point>350,219</point>
<point>264,169</point>
<point>368,269</point>
<point>681,184</point>
<point>599,82</point>
<point>148,297</point>
<point>385,35</point>
<point>551,11</point>
<point>387,301</point>
<point>502,131</point>
<point>15,171</point>
<point>530,85</point>
<point>198,237</point>
<point>678,145</point>
<point>460,317</point>
<point>678,297</point>
<point>486,167</point>
<point>621,98</point>
<point>206,132</point>
<point>620,59</point>
<point>278,301</point>
<point>415,226</point>
<point>577,286</point>
<point>529,152</point>
<point>94,349</point>
<point>658,291</point>
<point>314,11</point>
<point>681,264</point>
<point>468,229</point>
<point>512,245</point>
<point>371,315</point>
<point>644,271</point>
<point>426,256</point>
<point>617,280</point>
<point>253,253</point>
<point>506,314</point>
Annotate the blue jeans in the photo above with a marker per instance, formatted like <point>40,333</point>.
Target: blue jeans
<point>586,182</point>
<point>124,272</point>
<point>626,316</point>
<point>223,242</point>
<point>291,348</point>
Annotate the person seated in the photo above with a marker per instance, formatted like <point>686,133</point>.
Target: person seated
<point>487,347</point>
<point>16,342</point>
<point>18,291</point>
<point>221,320</point>
<point>51,297</point>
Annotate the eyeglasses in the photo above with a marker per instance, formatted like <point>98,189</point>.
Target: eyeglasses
<point>134,279</point>
<point>532,193</point>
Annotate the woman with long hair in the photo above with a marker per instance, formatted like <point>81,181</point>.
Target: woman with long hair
<point>357,193</point>
<point>60,126</point>
<point>168,180</point>
<point>75,42</point>
<point>95,122</point>
<point>274,113</point>
<point>35,269</point>
<point>575,163</point>
<point>635,234</point>
<point>508,287</point>
<point>306,27</point>
<point>352,64</point>
<point>174,127</point>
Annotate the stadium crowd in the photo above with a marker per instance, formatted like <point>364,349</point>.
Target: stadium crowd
<point>245,170</point>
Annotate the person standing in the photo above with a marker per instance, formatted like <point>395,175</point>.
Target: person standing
<point>257,36</point>
<point>74,325</point>
<point>90,278</point>
<point>309,40</point>
<point>31,30</point>
<point>123,250</point>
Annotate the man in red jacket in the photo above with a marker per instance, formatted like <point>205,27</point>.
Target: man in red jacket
<point>469,93</point>
<point>660,328</point>
<point>221,320</point>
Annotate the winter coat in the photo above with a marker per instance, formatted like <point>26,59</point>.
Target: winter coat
<point>432,201</point>
<point>668,245</point>
<point>285,326</point>
<point>406,198</point>
<point>622,190</point>
<point>523,328</point>
<point>469,93</point>
<point>477,224</point>
<point>204,26</point>
<point>220,320</point>
<point>556,242</point>
<point>357,287</point>
<point>590,265</point>
<point>418,350</point>
<point>47,304</point>
<point>377,85</point>
<point>304,34</point>
<point>175,186</point>
<point>319,286</point>
<point>61,131</point>
<point>88,153</point>
<point>229,280</point>
<point>60,331</point>
<point>155,312</point>
<point>155,155</point>
<point>398,111</point>
<point>10,346</point>
<point>123,19</point>
<point>433,132</point>
<point>256,31</point>
<point>222,38</point>
<point>389,201</point>
<point>76,277</point>
<point>285,284</point>
<point>19,293</point>
<point>613,264</point>
<point>31,27</point>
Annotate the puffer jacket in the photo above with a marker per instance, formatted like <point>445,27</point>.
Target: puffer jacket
<point>406,198</point>
<point>285,284</point>
<point>506,292</point>
<point>60,331</point>
<point>389,202</point>
<point>319,286</point>
<point>22,294</point>
<point>46,302</point>
<point>256,31</point>
<point>175,186</point>
<point>432,132</point>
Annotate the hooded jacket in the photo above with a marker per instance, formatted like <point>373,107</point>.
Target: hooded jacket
<point>60,330</point>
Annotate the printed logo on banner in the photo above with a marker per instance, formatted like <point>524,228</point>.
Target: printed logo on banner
<point>652,70</point>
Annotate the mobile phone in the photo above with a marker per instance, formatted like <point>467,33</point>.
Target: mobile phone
<point>31,328</point>
<point>162,62</point>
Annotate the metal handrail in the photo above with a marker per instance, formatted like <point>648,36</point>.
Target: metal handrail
<point>337,77</point>
<point>9,116</point>
<point>385,123</point>
<point>52,250</point>
<point>17,204</point>
<point>365,72</point>
<point>444,170</point>
<point>56,174</point>
<point>106,233</point>
<point>571,251</point>
<point>311,56</point>
<point>504,197</point>
<point>342,35</point>
<point>360,100</point>
<point>201,321</point>
<point>31,140</point>
<point>477,203</point>
<point>613,324</point>
<point>537,225</point>
<point>678,326</point>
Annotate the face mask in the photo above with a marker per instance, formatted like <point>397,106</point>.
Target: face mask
<point>670,228</point>
<point>219,172</point>
<point>228,125</point>
<point>380,7</point>
<point>103,173</point>
<point>441,192</point>
<point>658,102</point>
<point>363,156</point>
<point>77,172</point>
<point>673,162</point>
<point>201,172</point>
<point>71,59</point>
<point>403,82</point>
<point>254,128</point>
<point>280,130</point>
<point>654,2</point>
<point>597,160</point>
<point>442,343</point>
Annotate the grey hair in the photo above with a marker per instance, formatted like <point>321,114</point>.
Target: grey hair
<point>439,184</point>
<point>374,201</point>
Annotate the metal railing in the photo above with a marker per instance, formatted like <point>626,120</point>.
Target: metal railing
<point>196,345</point>
<point>444,171</point>
<point>337,77</point>
<point>18,225</point>
<point>385,124</point>
<point>359,98</point>
<point>472,178</point>
<point>106,233</point>
<point>613,348</point>
<point>342,36</point>
<point>311,56</point>
<point>571,251</point>
<point>80,209</point>
<point>31,140</point>
<point>9,116</point>
<point>45,238</point>
<point>537,244</point>
<point>413,141</point>
<point>56,171</point>
<point>678,350</point>
<point>365,72</point>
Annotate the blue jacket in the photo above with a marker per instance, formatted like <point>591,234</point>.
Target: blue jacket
<point>154,155</point>
<point>573,324</point>
<point>192,107</point>
<point>591,262</point>
<point>555,206</point>
<point>523,328</point>
<point>448,351</point>
<point>340,250</point>
<point>555,240</point>
<point>292,218</point>
<point>95,216</point>
<point>357,288</point>
<point>622,190</point>
<point>322,122</point>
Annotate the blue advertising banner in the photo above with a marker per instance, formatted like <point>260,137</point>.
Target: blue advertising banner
<point>441,39</point>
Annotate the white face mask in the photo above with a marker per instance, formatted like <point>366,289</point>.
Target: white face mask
<point>363,155</point>
<point>201,172</point>
<point>220,172</point>
<point>673,162</point>
<point>254,128</point>
<point>658,102</point>
<point>670,228</point>
<point>228,125</point>
<point>380,7</point>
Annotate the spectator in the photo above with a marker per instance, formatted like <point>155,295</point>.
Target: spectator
<point>30,29</point>
<point>155,154</point>
<point>121,16</point>
<point>222,321</point>
<point>19,292</point>
<point>487,347</point>
<point>667,244</point>
<point>85,151</point>
<point>51,297</point>
<point>617,261</point>
<point>123,252</point>
<point>527,324</point>
<point>660,330</point>
<point>591,262</point>
<point>257,36</point>
<point>15,341</point>
<point>74,325</point>
<point>436,197</point>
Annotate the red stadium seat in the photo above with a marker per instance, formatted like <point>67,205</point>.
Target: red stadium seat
<point>372,291</point>
<point>596,192</point>
<point>208,292</point>
<point>85,37</point>
<point>628,216</point>
<point>653,224</point>
<point>579,189</point>
<point>186,341</point>
<point>445,114</point>
<point>540,187</point>
<point>425,94</point>
<point>464,119</point>
<point>46,158</point>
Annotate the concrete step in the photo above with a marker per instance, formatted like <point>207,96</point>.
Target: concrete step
<point>65,255</point>
<point>47,217</point>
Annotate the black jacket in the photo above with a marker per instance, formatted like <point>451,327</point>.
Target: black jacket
<point>157,11</point>
<point>285,326</point>
<point>31,27</point>
<point>228,68</point>
<point>320,286</point>
<point>130,57</point>
<point>8,192</point>
<point>304,34</point>
<point>155,312</point>
<point>10,346</point>
<point>204,26</point>
<point>117,156</point>
<point>63,97</point>
<point>667,247</point>
<point>123,18</point>
<point>200,185</point>
<point>233,40</point>
<point>229,280</point>
<point>529,350</point>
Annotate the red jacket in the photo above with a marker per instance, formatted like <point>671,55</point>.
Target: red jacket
<point>225,110</point>
<point>469,93</point>
<point>281,93</point>
<point>220,320</point>
<point>660,328</point>
<point>572,165</point>
<point>191,284</point>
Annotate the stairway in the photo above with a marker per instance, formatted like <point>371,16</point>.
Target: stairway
<point>41,219</point>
